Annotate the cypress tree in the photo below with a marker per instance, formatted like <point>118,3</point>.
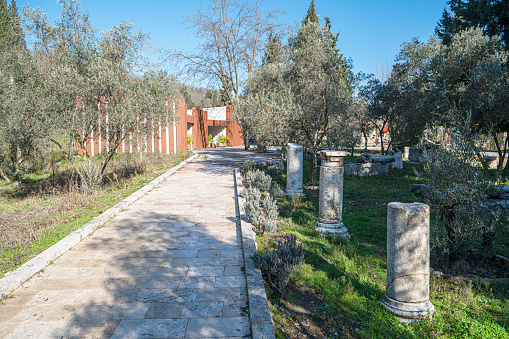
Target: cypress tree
<point>18,37</point>
<point>274,53</point>
<point>11,34</point>
<point>311,15</point>
<point>491,16</point>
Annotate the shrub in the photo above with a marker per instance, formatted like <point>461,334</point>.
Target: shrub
<point>261,210</point>
<point>456,190</point>
<point>252,193</point>
<point>258,179</point>
<point>262,213</point>
<point>279,265</point>
<point>276,191</point>
<point>275,170</point>
<point>210,138</point>
<point>90,175</point>
<point>223,139</point>
<point>248,166</point>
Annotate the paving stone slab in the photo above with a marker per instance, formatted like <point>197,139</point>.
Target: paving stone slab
<point>150,328</point>
<point>158,310</point>
<point>203,309</point>
<point>218,327</point>
<point>167,295</point>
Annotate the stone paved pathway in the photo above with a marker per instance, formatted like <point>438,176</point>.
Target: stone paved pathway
<point>169,266</point>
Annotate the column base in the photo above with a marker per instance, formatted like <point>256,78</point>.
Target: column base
<point>332,229</point>
<point>407,312</point>
<point>290,193</point>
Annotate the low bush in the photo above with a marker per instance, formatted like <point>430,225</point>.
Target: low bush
<point>248,166</point>
<point>279,265</point>
<point>258,179</point>
<point>261,211</point>
<point>90,175</point>
<point>276,191</point>
<point>275,170</point>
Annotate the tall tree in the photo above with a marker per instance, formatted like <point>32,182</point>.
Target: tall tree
<point>492,16</point>
<point>89,88</point>
<point>471,78</point>
<point>11,33</point>
<point>269,109</point>
<point>274,53</point>
<point>18,36</point>
<point>215,103</point>
<point>320,84</point>
<point>311,14</point>
<point>232,33</point>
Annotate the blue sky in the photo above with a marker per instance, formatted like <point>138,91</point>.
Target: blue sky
<point>371,31</point>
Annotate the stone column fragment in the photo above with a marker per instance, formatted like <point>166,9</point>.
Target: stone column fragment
<point>407,294</point>
<point>294,168</point>
<point>330,215</point>
<point>406,150</point>
<point>398,160</point>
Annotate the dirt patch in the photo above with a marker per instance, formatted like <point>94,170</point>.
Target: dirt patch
<point>303,314</point>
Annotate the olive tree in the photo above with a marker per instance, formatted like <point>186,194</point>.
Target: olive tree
<point>456,188</point>
<point>90,87</point>
<point>268,110</point>
<point>470,77</point>
<point>321,85</point>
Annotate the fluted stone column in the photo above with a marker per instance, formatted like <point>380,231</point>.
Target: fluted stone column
<point>407,294</point>
<point>294,168</point>
<point>330,214</point>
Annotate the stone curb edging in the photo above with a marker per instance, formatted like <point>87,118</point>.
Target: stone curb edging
<point>259,313</point>
<point>14,279</point>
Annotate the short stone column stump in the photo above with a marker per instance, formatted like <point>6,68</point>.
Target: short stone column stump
<point>294,169</point>
<point>407,294</point>
<point>330,214</point>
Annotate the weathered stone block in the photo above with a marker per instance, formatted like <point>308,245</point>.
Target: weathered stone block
<point>366,169</point>
<point>398,160</point>
<point>415,154</point>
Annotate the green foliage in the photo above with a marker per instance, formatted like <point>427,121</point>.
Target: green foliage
<point>281,263</point>
<point>274,53</point>
<point>266,113</point>
<point>90,175</point>
<point>492,16</point>
<point>466,327</point>
<point>248,166</point>
<point>275,170</point>
<point>223,139</point>
<point>72,68</point>
<point>262,213</point>
<point>210,138</point>
<point>260,208</point>
<point>258,179</point>
<point>311,14</point>
<point>215,103</point>
<point>187,96</point>
<point>457,188</point>
<point>12,36</point>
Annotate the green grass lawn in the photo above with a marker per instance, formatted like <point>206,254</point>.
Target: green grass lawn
<point>340,285</point>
